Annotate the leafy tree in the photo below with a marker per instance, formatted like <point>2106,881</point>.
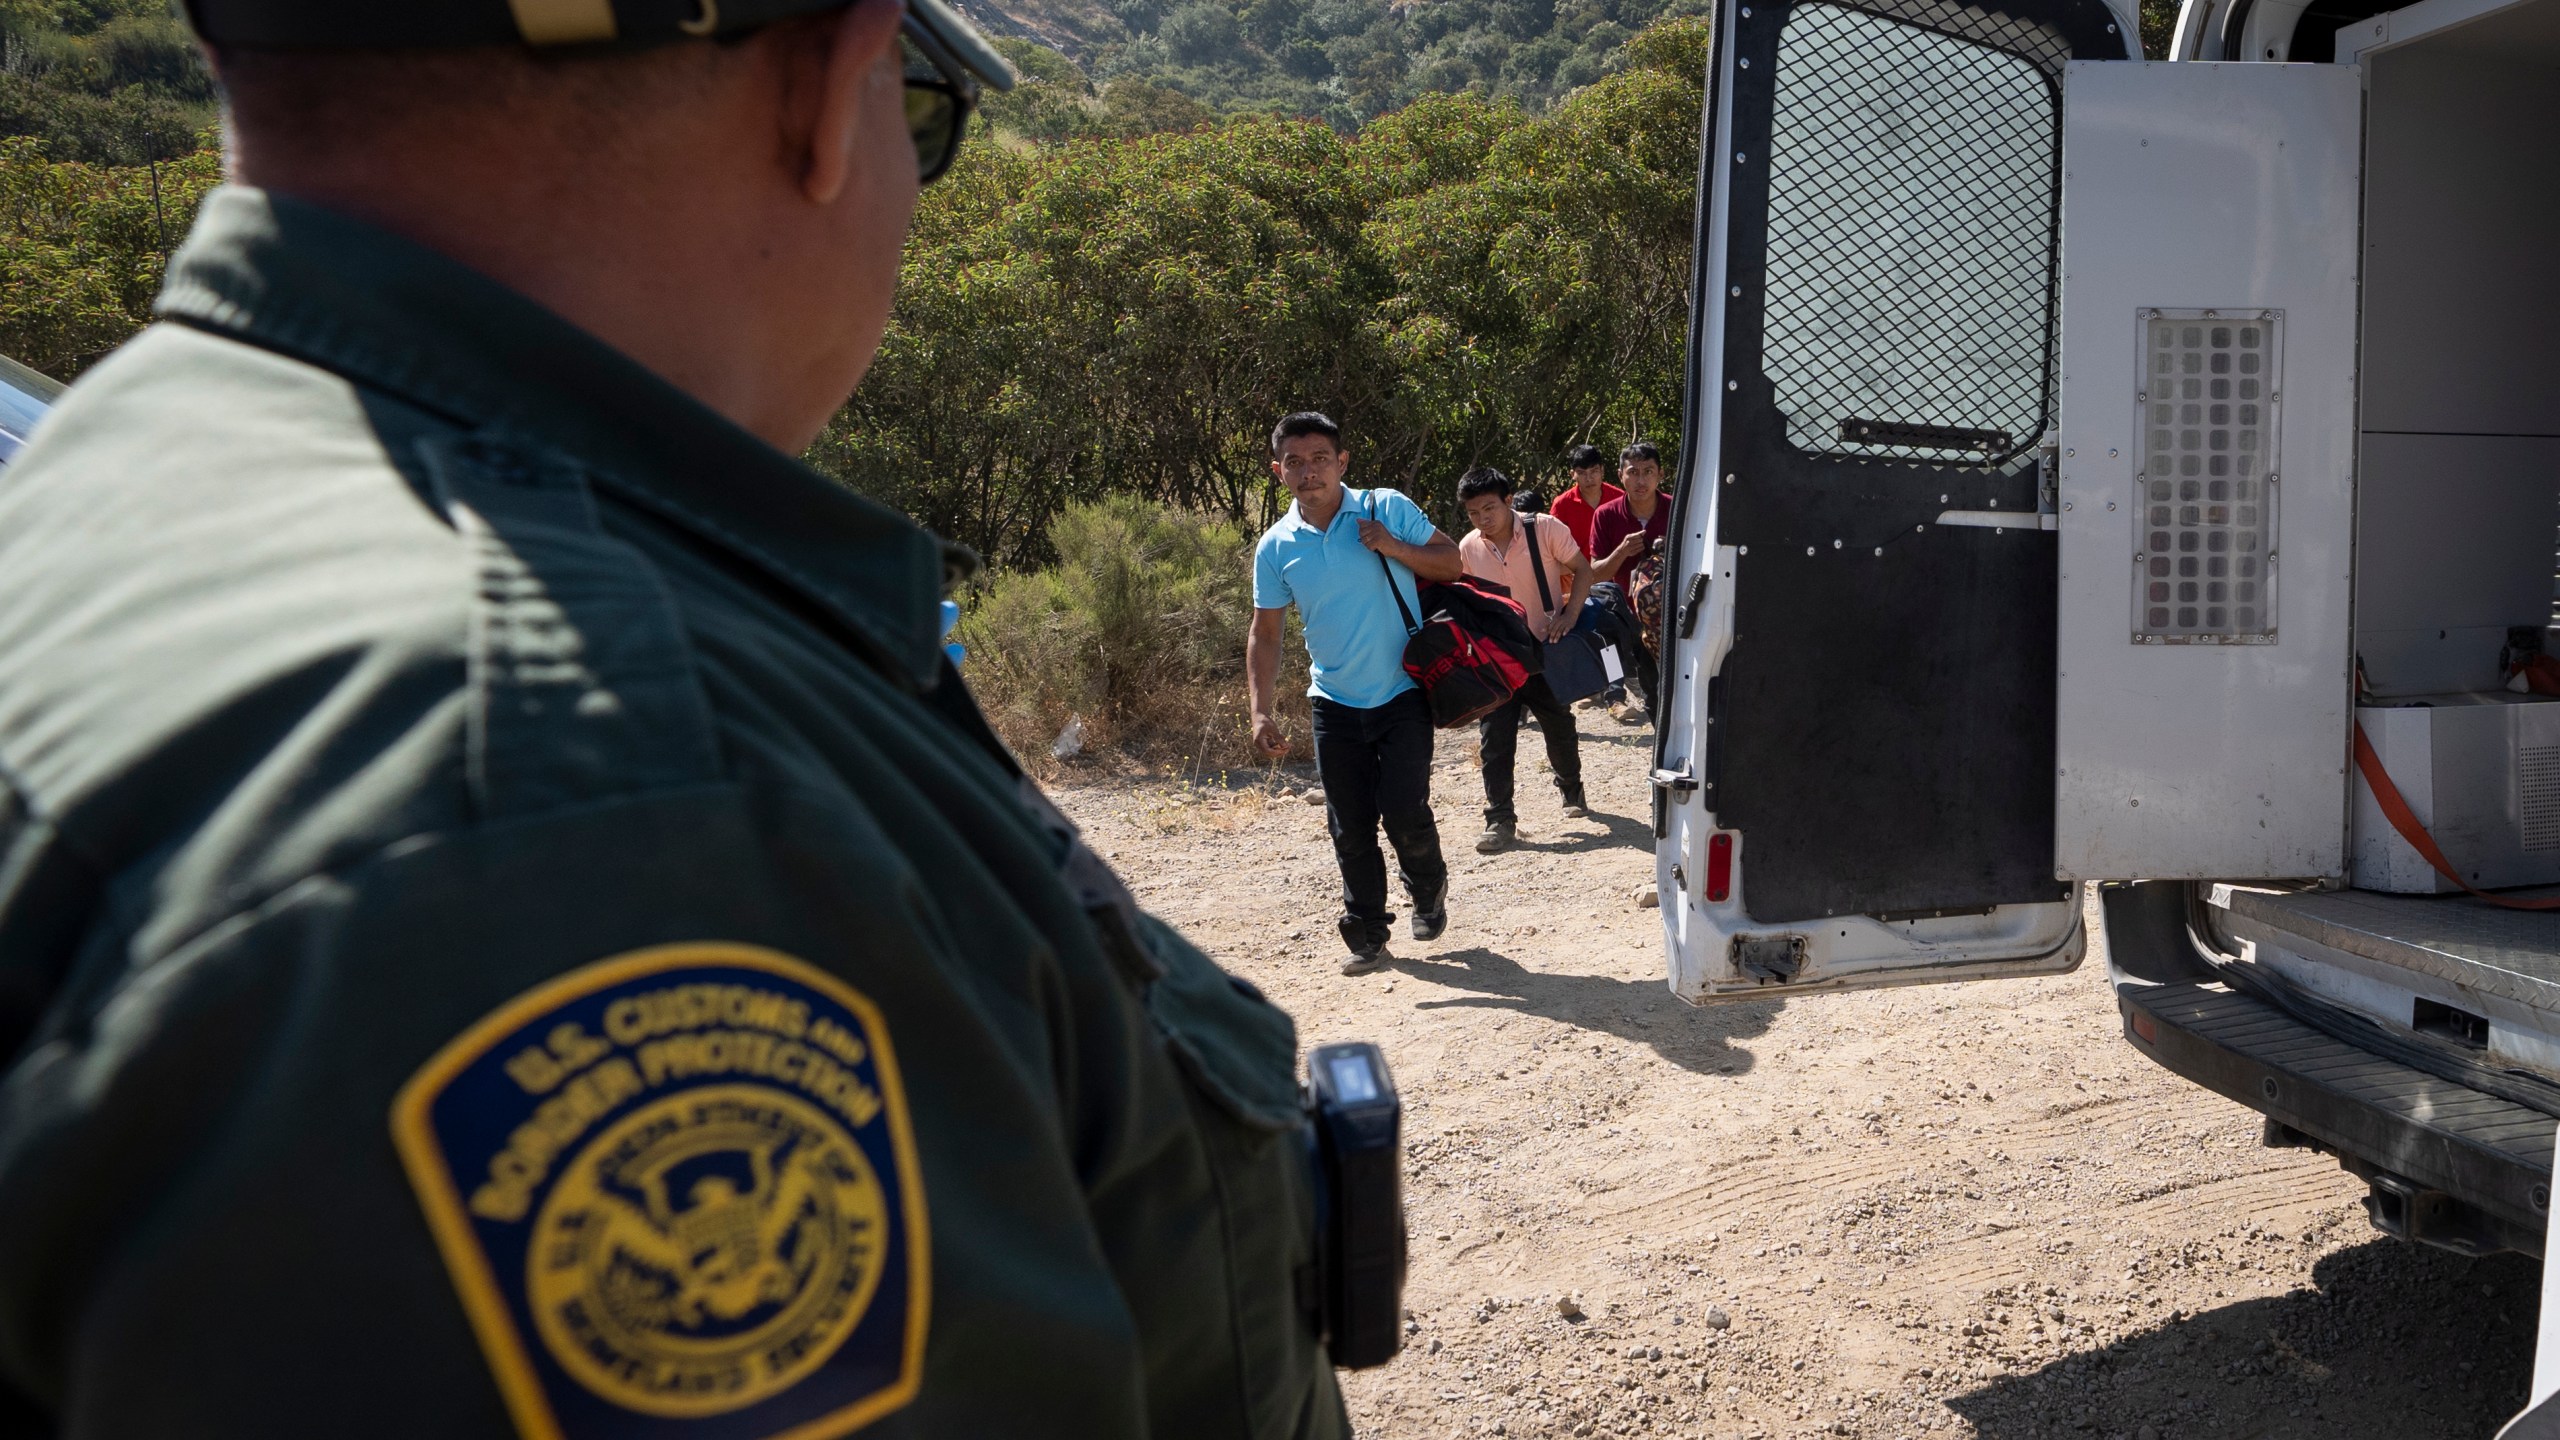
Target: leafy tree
<point>1542,298</point>
<point>1108,318</point>
<point>1132,108</point>
<point>82,248</point>
<point>1201,32</point>
<point>2159,20</point>
<point>104,152</point>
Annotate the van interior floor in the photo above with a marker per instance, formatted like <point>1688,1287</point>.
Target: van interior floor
<point>2513,954</point>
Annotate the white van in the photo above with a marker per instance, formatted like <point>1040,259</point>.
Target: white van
<point>2083,451</point>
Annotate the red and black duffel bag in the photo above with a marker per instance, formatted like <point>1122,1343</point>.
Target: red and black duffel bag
<point>1486,607</point>
<point>1465,672</point>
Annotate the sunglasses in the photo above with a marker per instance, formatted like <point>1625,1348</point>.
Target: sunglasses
<point>940,94</point>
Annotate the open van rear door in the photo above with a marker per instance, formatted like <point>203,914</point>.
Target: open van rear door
<point>1857,753</point>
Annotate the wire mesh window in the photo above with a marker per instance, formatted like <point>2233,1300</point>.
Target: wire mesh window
<point>1909,311</point>
<point>2204,542</point>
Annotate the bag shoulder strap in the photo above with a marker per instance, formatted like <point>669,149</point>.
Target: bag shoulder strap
<point>1537,561</point>
<point>1411,626</point>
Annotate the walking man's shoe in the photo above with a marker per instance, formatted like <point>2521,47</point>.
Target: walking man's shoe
<point>1368,943</point>
<point>1496,838</point>
<point>1429,920</point>
<point>1574,808</point>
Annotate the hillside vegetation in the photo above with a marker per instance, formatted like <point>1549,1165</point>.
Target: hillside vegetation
<point>1341,61</point>
<point>111,82</point>
<point>1459,282</point>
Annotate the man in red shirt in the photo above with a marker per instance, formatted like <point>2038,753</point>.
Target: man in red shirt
<point>1624,533</point>
<point>1589,491</point>
<point>1575,507</point>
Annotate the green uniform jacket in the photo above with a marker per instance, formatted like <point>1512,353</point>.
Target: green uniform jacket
<point>508,922</point>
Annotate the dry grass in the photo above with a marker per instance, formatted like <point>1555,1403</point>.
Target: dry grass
<point>1137,635</point>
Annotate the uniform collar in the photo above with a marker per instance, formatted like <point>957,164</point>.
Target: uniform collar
<point>392,315</point>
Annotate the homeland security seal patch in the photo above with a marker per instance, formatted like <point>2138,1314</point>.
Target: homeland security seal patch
<point>678,1192</point>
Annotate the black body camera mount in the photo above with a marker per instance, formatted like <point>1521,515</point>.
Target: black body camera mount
<point>1354,1125</point>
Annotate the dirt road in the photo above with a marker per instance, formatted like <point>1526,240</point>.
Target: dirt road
<point>1950,1211</point>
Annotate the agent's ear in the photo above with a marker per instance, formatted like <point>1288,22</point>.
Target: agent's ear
<point>862,55</point>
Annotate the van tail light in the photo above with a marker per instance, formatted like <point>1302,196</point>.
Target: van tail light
<point>2145,1027</point>
<point>1719,867</point>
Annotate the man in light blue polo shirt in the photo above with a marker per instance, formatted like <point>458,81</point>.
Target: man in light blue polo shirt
<point>1334,556</point>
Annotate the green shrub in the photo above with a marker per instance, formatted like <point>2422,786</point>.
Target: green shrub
<point>82,248</point>
<point>105,82</point>
<point>1137,632</point>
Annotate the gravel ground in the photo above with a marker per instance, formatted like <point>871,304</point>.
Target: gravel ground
<point>1950,1211</point>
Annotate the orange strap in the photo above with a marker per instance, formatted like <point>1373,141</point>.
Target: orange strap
<point>2405,820</point>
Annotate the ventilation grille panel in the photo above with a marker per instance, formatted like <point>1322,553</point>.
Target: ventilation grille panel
<point>2205,478</point>
<point>2538,796</point>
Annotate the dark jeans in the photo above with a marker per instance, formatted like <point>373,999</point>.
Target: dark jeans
<point>1618,626</point>
<point>1376,767</point>
<point>1500,733</point>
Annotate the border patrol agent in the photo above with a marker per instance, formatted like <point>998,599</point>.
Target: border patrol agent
<point>509,923</point>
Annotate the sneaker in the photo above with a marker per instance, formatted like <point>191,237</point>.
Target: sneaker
<point>1635,715</point>
<point>1430,920</point>
<point>1574,809</point>
<point>1497,837</point>
<point>1362,962</point>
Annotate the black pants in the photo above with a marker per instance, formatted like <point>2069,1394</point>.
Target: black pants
<point>1500,733</point>
<point>1376,767</point>
<point>1620,627</point>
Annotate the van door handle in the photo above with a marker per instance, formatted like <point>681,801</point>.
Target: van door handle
<point>1692,603</point>
<point>1999,519</point>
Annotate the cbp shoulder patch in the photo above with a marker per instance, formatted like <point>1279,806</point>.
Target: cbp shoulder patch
<point>678,1192</point>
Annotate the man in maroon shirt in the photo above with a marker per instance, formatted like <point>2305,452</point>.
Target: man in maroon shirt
<point>1624,533</point>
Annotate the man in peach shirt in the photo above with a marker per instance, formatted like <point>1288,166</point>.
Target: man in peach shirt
<point>1498,549</point>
